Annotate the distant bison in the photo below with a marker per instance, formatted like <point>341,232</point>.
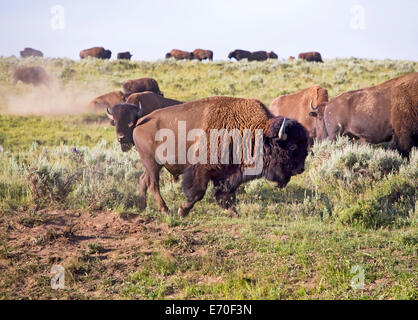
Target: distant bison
<point>29,52</point>
<point>311,56</point>
<point>252,56</point>
<point>239,54</point>
<point>179,55</point>
<point>298,105</point>
<point>200,54</point>
<point>150,101</point>
<point>382,113</point>
<point>96,52</point>
<point>291,58</point>
<point>124,55</point>
<point>140,85</point>
<point>31,75</point>
<point>107,100</point>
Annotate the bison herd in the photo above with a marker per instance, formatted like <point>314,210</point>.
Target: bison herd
<point>387,112</point>
<point>174,134</point>
<point>198,54</point>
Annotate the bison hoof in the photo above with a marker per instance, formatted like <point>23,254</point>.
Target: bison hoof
<point>182,212</point>
<point>142,206</point>
<point>232,213</point>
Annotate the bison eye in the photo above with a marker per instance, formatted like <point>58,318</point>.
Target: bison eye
<point>112,122</point>
<point>293,147</point>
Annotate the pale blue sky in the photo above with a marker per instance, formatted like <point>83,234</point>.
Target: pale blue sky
<point>149,29</point>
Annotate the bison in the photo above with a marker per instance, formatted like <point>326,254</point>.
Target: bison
<point>140,85</point>
<point>297,106</point>
<point>291,58</point>
<point>150,101</point>
<point>240,54</point>
<point>96,52</point>
<point>31,75</point>
<point>283,144</point>
<point>107,100</point>
<point>252,56</point>
<point>179,55</point>
<point>29,52</point>
<point>200,54</point>
<point>311,56</point>
<point>124,55</point>
<point>385,112</point>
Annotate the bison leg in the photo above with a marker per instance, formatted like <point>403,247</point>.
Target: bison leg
<point>226,200</point>
<point>195,182</point>
<point>143,187</point>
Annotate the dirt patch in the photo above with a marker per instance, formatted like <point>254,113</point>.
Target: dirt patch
<point>93,248</point>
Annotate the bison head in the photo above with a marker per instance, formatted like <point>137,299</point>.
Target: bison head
<point>231,55</point>
<point>124,118</point>
<point>318,113</point>
<point>285,150</point>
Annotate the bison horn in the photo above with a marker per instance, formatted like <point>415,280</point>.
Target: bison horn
<point>313,109</point>
<point>109,114</point>
<point>139,114</point>
<point>282,135</point>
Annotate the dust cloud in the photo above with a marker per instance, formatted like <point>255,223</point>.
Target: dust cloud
<point>54,99</point>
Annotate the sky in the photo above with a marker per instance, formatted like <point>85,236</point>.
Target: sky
<point>375,29</point>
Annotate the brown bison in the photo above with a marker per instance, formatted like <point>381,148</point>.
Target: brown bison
<point>311,56</point>
<point>272,55</point>
<point>386,112</point>
<point>31,75</point>
<point>240,54</point>
<point>140,85</point>
<point>281,148</point>
<point>96,52</point>
<point>179,55</point>
<point>200,54</point>
<point>150,101</point>
<point>124,55</point>
<point>29,52</point>
<point>105,101</point>
<point>298,106</point>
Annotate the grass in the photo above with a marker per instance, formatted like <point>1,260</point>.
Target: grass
<point>354,204</point>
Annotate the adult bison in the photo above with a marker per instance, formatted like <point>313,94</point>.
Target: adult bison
<point>105,101</point>
<point>96,52</point>
<point>311,56</point>
<point>124,55</point>
<point>298,106</point>
<point>29,52</point>
<point>201,54</point>
<point>281,147</point>
<point>31,75</point>
<point>239,54</point>
<point>149,101</point>
<point>385,112</point>
<point>140,85</point>
<point>179,55</point>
